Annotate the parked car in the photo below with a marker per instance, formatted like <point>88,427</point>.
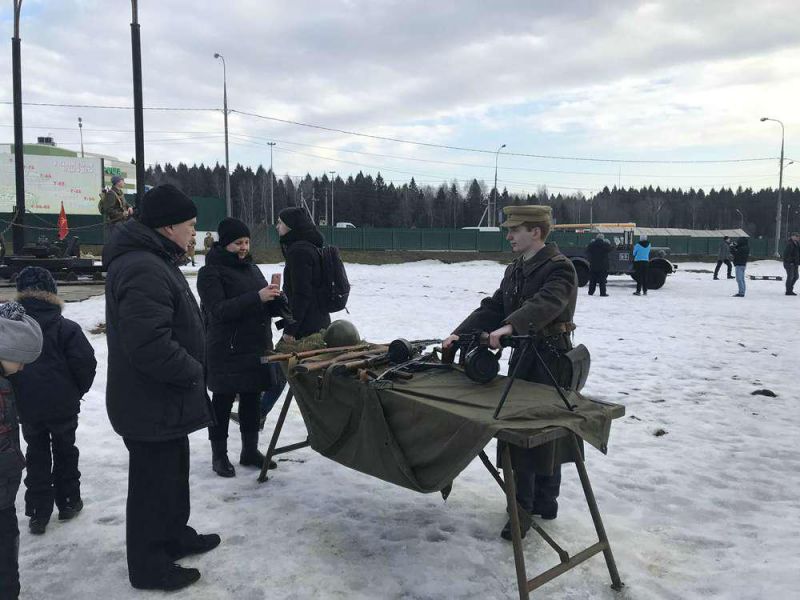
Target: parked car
<point>345,225</point>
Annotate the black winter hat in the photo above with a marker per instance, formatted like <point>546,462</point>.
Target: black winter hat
<point>36,278</point>
<point>296,218</point>
<point>230,230</point>
<point>166,205</point>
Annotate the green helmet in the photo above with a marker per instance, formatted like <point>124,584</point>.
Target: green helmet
<point>341,333</point>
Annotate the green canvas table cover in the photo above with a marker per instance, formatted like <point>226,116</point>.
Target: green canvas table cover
<point>421,433</point>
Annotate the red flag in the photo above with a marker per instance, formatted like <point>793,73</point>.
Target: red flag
<point>63,227</point>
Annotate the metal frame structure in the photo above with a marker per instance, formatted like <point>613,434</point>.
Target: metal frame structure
<point>523,439</point>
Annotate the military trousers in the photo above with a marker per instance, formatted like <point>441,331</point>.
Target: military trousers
<point>597,278</point>
<point>791,277</point>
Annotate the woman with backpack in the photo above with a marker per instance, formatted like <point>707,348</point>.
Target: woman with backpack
<point>238,306</point>
<point>303,281</point>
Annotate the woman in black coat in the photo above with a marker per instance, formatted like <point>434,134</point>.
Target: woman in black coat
<point>301,242</point>
<point>238,306</point>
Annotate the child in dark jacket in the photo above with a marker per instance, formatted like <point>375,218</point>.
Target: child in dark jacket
<point>49,394</point>
<point>20,344</point>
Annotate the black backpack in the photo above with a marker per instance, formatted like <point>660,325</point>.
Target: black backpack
<point>335,285</point>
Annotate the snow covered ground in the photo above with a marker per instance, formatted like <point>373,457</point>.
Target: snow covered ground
<point>708,510</point>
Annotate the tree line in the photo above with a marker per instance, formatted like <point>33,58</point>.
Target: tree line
<point>368,201</point>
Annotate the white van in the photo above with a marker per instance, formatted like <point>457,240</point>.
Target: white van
<point>345,225</point>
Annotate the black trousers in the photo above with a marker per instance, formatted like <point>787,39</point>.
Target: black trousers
<point>597,278</point>
<point>9,539</point>
<point>791,277</point>
<point>52,460</point>
<point>535,492</point>
<point>158,509</point>
<point>719,264</point>
<point>640,268</point>
<point>249,413</point>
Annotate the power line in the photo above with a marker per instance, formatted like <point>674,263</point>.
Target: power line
<point>112,107</point>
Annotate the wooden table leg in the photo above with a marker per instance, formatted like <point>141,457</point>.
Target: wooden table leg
<point>262,477</point>
<point>516,535</point>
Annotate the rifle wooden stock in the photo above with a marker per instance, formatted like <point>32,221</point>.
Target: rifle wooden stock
<point>321,365</point>
<point>309,353</point>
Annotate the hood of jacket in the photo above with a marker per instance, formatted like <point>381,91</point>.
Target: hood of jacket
<point>312,236</point>
<point>132,236</point>
<point>42,306</point>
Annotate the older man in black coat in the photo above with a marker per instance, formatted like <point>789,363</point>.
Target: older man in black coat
<point>156,393</point>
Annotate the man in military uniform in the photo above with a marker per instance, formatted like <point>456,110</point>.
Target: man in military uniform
<point>537,296</point>
<point>115,209</point>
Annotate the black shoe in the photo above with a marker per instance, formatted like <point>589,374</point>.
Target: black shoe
<point>70,509</point>
<point>547,510</point>
<point>738,295</point>
<point>731,277</point>
<point>250,456</point>
<point>38,525</point>
<point>174,578</point>
<point>644,293</point>
<point>716,278</point>
<point>603,295</point>
<point>637,293</point>
<point>200,544</point>
<point>219,459</point>
<point>791,294</point>
<point>524,525</point>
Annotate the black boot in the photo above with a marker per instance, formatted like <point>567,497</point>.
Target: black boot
<point>219,459</point>
<point>71,508</point>
<point>199,544</point>
<point>524,525</point>
<point>250,456</point>
<point>174,578</point>
<point>38,524</point>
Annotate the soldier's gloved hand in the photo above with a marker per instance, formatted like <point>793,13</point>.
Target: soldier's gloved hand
<point>448,341</point>
<point>494,336</point>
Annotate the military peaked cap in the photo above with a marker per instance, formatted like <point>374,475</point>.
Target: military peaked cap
<point>530,213</point>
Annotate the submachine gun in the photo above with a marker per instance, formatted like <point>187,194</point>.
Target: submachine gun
<point>482,364</point>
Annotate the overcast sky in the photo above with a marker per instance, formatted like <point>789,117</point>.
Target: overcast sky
<point>618,80</point>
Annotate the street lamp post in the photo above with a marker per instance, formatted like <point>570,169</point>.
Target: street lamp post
<point>80,129</point>
<point>493,203</point>
<point>138,105</point>
<point>332,174</point>
<point>778,219</point>
<point>18,233</point>
<point>271,191</point>
<point>225,110</point>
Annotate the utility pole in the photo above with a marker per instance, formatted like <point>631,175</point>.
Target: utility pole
<point>80,129</point>
<point>493,203</point>
<point>332,174</point>
<point>18,233</point>
<point>138,107</point>
<point>225,110</point>
<point>271,191</point>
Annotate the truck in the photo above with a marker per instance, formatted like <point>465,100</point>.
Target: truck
<point>621,260</point>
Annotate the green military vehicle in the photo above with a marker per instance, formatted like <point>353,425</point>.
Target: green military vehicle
<point>621,260</point>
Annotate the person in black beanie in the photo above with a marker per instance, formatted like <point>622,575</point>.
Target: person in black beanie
<point>239,306</point>
<point>301,242</point>
<point>49,393</point>
<point>156,392</point>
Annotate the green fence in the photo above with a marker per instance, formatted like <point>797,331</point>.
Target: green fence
<point>470,240</point>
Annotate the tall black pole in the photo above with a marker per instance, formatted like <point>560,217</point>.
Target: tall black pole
<point>18,234</point>
<point>138,107</point>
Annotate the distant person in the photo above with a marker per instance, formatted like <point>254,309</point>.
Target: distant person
<point>156,391</point>
<point>20,344</point>
<point>724,256</point>
<point>641,264</point>
<point>115,208</point>
<point>791,260</point>
<point>597,251</point>
<point>741,252</point>
<point>191,251</point>
<point>49,393</point>
<point>301,242</point>
<point>208,241</point>
<point>239,306</point>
